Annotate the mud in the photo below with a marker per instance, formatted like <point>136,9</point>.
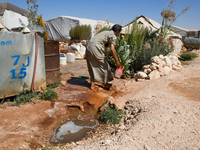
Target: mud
<point>32,125</point>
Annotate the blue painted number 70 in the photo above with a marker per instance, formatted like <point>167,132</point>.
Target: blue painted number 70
<point>22,70</point>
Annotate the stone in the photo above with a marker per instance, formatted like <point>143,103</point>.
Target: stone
<point>146,67</point>
<point>154,75</point>
<point>176,67</point>
<point>162,64</point>
<point>141,74</point>
<point>168,61</point>
<point>161,57</point>
<point>147,71</point>
<point>164,71</point>
<point>111,99</point>
<point>155,59</point>
<point>141,80</point>
<point>154,66</point>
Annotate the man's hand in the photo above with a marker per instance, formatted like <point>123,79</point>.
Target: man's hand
<point>118,64</point>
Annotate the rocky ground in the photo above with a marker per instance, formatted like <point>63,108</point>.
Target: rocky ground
<point>168,116</point>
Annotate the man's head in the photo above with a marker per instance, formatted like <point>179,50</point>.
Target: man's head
<point>116,29</point>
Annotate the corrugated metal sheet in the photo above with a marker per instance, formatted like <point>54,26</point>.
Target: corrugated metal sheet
<point>17,63</point>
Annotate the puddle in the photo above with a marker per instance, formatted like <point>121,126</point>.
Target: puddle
<point>73,130</point>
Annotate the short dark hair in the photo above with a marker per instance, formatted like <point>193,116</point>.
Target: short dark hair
<point>116,27</point>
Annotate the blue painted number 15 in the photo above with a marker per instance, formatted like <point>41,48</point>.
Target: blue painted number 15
<point>22,70</point>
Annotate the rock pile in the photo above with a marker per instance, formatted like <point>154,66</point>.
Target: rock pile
<point>132,108</point>
<point>160,66</point>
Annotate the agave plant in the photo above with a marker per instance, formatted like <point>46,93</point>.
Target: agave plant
<point>123,54</point>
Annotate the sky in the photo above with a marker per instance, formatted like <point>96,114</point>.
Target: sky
<point>117,11</point>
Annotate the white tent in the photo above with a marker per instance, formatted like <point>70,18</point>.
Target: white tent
<point>11,16</point>
<point>146,22</point>
<point>153,25</point>
<point>58,28</point>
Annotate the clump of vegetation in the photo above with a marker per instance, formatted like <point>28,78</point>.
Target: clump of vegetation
<point>81,32</point>
<point>136,48</point>
<point>105,28</point>
<point>49,94</point>
<point>169,17</point>
<point>32,15</point>
<point>187,56</point>
<point>112,115</point>
<point>23,98</point>
<point>55,84</point>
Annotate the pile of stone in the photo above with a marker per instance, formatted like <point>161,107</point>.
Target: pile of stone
<point>132,108</point>
<point>160,66</point>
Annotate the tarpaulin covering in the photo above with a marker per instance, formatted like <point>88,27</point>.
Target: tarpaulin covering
<point>58,28</point>
<point>193,43</point>
<point>11,16</point>
<point>17,63</point>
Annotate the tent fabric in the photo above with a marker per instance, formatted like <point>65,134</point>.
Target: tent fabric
<point>10,16</point>
<point>190,42</point>
<point>12,19</point>
<point>7,6</point>
<point>58,28</point>
<point>181,31</point>
<point>147,23</point>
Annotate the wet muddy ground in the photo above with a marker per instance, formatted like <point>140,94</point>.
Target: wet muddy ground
<point>32,125</point>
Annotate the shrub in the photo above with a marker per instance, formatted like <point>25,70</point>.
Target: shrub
<point>23,98</point>
<point>112,115</point>
<point>105,28</point>
<point>186,56</point>
<point>81,32</point>
<point>49,94</point>
<point>136,48</point>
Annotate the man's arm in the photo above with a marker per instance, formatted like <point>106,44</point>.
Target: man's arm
<point>113,52</point>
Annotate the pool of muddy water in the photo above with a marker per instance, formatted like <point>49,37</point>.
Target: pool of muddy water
<point>73,130</point>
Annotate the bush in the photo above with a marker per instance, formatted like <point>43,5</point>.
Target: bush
<point>136,48</point>
<point>49,94</point>
<point>112,115</point>
<point>81,32</point>
<point>105,28</point>
<point>186,56</point>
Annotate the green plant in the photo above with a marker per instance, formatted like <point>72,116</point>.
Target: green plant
<point>23,98</point>
<point>49,94</point>
<point>32,15</point>
<point>111,115</point>
<point>105,28</point>
<point>186,56</point>
<point>81,32</point>
<point>136,48</point>
<point>169,17</point>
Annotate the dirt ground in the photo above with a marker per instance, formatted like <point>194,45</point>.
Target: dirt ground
<point>169,117</point>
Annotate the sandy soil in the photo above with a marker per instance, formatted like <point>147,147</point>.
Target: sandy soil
<point>169,116</point>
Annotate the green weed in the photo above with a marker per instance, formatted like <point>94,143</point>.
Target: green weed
<point>112,115</point>
<point>23,98</point>
<point>187,56</point>
<point>49,94</point>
